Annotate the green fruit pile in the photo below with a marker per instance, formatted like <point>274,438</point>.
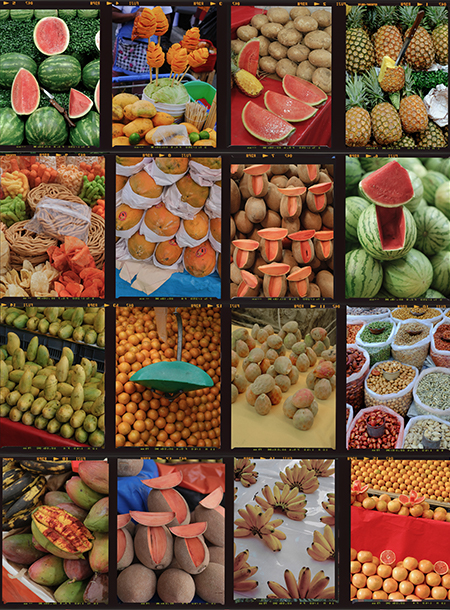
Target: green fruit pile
<point>65,398</point>
<point>80,324</point>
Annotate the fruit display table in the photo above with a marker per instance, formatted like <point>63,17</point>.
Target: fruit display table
<point>19,591</point>
<point>377,531</point>
<point>16,434</point>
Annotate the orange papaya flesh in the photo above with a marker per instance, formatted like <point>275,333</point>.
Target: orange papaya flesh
<point>123,520</point>
<point>241,258</point>
<point>252,281</point>
<point>254,170</point>
<point>243,289</point>
<point>324,235</point>
<point>312,171</point>
<point>319,202</point>
<point>292,191</point>
<point>326,247</point>
<point>300,274</point>
<point>307,250</point>
<point>302,235</point>
<point>272,233</point>
<point>275,285</point>
<point>321,188</point>
<point>248,245</point>
<point>271,249</point>
<point>275,269</point>
<point>62,529</point>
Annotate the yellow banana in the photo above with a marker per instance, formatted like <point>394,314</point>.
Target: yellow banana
<point>246,585</point>
<point>240,559</point>
<point>318,587</point>
<point>242,574</point>
<point>291,584</point>
<point>303,582</point>
<point>318,552</point>
<point>329,537</point>
<point>254,513</point>
<point>319,538</point>
<point>272,542</point>
<point>280,592</point>
<point>328,520</point>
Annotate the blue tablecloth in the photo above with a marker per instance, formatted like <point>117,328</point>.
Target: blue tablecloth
<point>178,285</point>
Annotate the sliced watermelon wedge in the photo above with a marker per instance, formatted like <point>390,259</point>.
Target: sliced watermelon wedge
<point>97,96</point>
<point>265,125</point>
<point>248,58</point>
<point>303,90</point>
<point>391,227</point>
<point>25,93</point>
<point>79,104</point>
<point>51,36</point>
<point>288,108</point>
<point>97,40</point>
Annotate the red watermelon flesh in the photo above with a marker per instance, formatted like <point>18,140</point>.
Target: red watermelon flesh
<point>97,96</point>
<point>391,227</point>
<point>25,93</point>
<point>79,104</point>
<point>303,90</point>
<point>389,186</point>
<point>288,108</point>
<point>248,58</point>
<point>51,36</point>
<point>264,125</point>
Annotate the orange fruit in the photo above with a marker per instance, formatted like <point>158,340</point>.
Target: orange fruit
<point>369,568</point>
<point>381,506</point>
<point>394,506</point>
<point>416,510</point>
<point>445,582</point>
<point>384,571</point>
<point>410,563</point>
<point>374,583</point>
<point>352,591</point>
<point>369,503</point>
<point>416,577</point>
<point>396,595</point>
<point>422,591</point>
<point>352,554</point>
<point>359,580</point>
<point>364,594</point>
<point>388,557</point>
<point>379,595</point>
<point>413,598</point>
<point>439,593</point>
<point>364,556</point>
<point>404,511</point>
<point>355,567</point>
<point>376,561</point>
<point>385,498</point>
<point>390,585</point>
<point>406,587</point>
<point>432,579</point>
<point>400,573</point>
<point>425,566</point>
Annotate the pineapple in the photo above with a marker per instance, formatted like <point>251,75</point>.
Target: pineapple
<point>246,83</point>
<point>360,55</point>
<point>387,39</point>
<point>436,21</point>
<point>391,77</point>
<point>432,137</point>
<point>406,141</point>
<point>412,111</point>
<point>357,119</point>
<point>386,125</point>
<point>420,53</point>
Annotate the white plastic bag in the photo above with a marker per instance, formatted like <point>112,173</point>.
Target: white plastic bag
<point>415,420</point>
<point>440,357</point>
<point>350,415</point>
<point>160,177</point>
<point>421,407</point>
<point>383,315</point>
<point>434,320</point>
<point>122,253</point>
<point>351,323</point>
<point>399,402</point>
<point>217,246</point>
<point>355,382</point>
<point>364,412</point>
<point>173,202</point>
<point>202,175</point>
<point>137,201</point>
<point>184,240</point>
<point>377,351</point>
<point>213,205</point>
<point>59,218</point>
<point>416,353</point>
<point>130,170</point>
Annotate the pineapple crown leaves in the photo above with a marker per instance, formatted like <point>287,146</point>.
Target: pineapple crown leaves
<point>434,16</point>
<point>374,93</point>
<point>409,87</point>
<point>356,17</point>
<point>386,15</point>
<point>355,92</point>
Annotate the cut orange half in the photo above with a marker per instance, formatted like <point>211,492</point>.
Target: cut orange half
<point>388,557</point>
<point>441,568</point>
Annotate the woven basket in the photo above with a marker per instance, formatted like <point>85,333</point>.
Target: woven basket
<point>96,240</point>
<point>25,245</point>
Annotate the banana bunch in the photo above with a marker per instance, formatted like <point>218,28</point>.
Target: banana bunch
<point>300,477</point>
<point>323,546</point>
<point>51,466</point>
<point>244,471</point>
<point>256,523</point>
<point>286,499</point>
<point>321,468</point>
<point>329,507</point>
<point>243,571</point>
<point>21,492</point>
<point>304,588</point>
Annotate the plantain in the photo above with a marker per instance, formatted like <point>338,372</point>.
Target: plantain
<point>11,476</point>
<point>55,466</point>
<point>8,464</point>
<point>28,501</point>
<point>17,488</point>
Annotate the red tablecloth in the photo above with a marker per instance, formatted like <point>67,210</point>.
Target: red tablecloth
<point>406,536</point>
<point>242,15</point>
<point>15,592</point>
<point>15,434</point>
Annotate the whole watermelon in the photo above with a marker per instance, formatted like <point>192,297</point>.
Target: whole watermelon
<point>363,275</point>
<point>441,272</point>
<point>91,74</point>
<point>433,231</point>
<point>46,127</point>
<point>59,73</point>
<point>353,173</point>
<point>431,294</point>
<point>354,206</point>
<point>11,128</point>
<point>418,192</point>
<point>86,131</point>
<point>442,198</point>
<point>408,277</point>
<point>431,182</point>
<point>369,235</point>
<point>10,64</point>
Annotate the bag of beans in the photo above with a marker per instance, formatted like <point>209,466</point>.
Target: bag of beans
<point>353,328</point>
<point>358,362</point>
<point>405,314</point>
<point>411,342</point>
<point>349,415</point>
<point>359,438</point>
<point>430,427</point>
<point>440,343</point>
<point>376,338</point>
<point>431,392</point>
<point>367,314</point>
<point>390,384</point>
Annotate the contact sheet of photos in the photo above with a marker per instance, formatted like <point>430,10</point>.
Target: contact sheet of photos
<point>201,205</point>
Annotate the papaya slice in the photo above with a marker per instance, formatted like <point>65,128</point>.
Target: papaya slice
<point>243,289</point>
<point>123,520</point>
<point>302,235</point>
<point>255,170</point>
<point>272,233</point>
<point>191,530</point>
<point>320,188</point>
<point>167,481</point>
<point>121,544</point>
<point>252,281</point>
<point>312,170</point>
<point>157,543</point>
<point>275,269</point>
<point>152,519</point>
<point>196,550</point>
<point>176,502</point>
<point>213,499</point>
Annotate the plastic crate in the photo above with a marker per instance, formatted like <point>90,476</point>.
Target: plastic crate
<point>55,346</point>
<point>201,92</point>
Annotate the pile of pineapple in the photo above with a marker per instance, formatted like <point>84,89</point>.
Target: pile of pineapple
<point>388,110</point>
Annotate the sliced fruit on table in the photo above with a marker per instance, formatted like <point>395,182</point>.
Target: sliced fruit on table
<point>51,36</point>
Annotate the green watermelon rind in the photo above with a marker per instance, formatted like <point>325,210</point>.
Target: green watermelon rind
<point>67,13</point>
<point>296,81</point>
<point>432,294</point>
<point>442,199</point>
<point>445,167</point>
<point>433,231</point>
<point>286,134</point>
<point>40,24</point>
<point>431,182</point>
<point>418,192</point>
<point>408,277</point>
<point>97,96</point>
<point>87,13</point>
<point>440,263</point>
<point>21,14</point>
<point>10,64</point>
<point>353,174</point>
<point>244,63</point>
<point>4,14</point>
<point>272,94</point>
<point>91,74</point>
<point>369,236</point>
<point>363,275</point>
<point>59,73</point>
<point>86,132</point>
<point>37,93</point>
<point>354,206</point>
<point>46,127</point>
<point>12,128</point>
<point>41,13</point>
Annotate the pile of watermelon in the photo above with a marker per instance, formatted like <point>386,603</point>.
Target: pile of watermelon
<point>50,49</point>
<point>421,267</point>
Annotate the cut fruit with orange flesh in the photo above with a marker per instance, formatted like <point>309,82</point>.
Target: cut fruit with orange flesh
<point>121,544</point>
<point>123,520</point>
<point>301,274</point>
<point>191,530</point>
<point>324,235</point>
<point>302,235</point>
<point>256,170</point>
<point>248,245</point>
<point>320,188</point>
<point>272,233</point>
<point>196,550</point>
<point>213,499</point>
<point>157,543</point>
<point>152,519</point>
<point>167,481</point>
<point>250,280</point>
<point>319,201</point>
<point>275,269</point>
<point>388,557</point>
<point>292,191</point>
<point>441,567</point>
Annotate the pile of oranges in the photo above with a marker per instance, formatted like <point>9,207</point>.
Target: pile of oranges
<point>410,579</point>
<point>144,418</point>
<point>429,478</point>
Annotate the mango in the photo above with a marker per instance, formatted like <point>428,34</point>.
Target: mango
<point>99,321</point>
<point>19,548</point>
<point>25,382</point>
<point>47,571</point>
<point>71,592</point>
<point>81,494</point>
<point>51,313</point>
<point>42,356</point>
<point>68,353</point>
<point>62,369</point>
<point>77,569</point>
<point>55,498</point>
<point>18,359</point>
<point>97,519</point>
<point>98,555</point>
<point>53,426</point>
<point>96,591</point>
<point>43,326</point>
<point>96,438</point>
<point>32,348</point>
<point>21,321</point>
<point>68,313</point>
<point>33,323</point>
<point>95,474</point>
<point>13,343</point>
<point>74,510</point>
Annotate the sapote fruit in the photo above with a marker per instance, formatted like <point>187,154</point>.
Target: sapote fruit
<point>210,584</point>
<point>136,584</point>
<point>176,586</point>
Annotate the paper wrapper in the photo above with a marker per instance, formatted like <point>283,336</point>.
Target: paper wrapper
<point>152,236</point>
<point>130,170</point>
<point>160,177</point>
<point>217,246</point>
<point>436,103</point>
<point>144,277</point>
<point>213,205</point>
<point>172,201</point>
<point>184,240</point>
<point>204,176</point>
<point>137,201</point>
